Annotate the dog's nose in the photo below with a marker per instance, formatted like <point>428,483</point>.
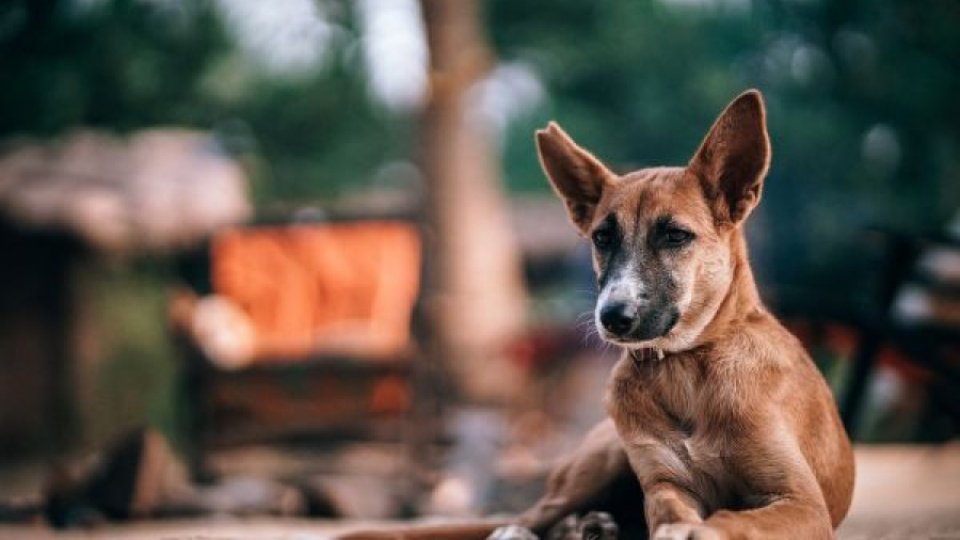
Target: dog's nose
<point>616,319</point>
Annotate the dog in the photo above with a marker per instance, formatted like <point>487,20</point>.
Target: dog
<point>719,425</point>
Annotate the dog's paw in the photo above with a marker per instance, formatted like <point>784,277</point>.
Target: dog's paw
<point>683,531</point>
<point>598,526</point>
<point>512,532</point>
<point>593,526</point>
<point>566,529</point>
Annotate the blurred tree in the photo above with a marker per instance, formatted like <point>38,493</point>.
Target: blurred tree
<point>861,90</point>
<point>478,298</point>
<point>863,115</point>
<point>865,129</point>
<point>119,64</point>
<point>127,64</point>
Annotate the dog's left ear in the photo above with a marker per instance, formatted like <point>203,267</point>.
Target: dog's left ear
<point>733,159</point>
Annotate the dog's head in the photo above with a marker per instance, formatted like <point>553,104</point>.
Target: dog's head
<point>664,238</point>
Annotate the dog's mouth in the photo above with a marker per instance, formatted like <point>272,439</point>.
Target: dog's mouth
<point>649,327</point>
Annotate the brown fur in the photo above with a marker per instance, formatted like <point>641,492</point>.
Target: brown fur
<point>722,417</point>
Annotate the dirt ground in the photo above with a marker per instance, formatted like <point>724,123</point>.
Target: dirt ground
<point>903,493</point>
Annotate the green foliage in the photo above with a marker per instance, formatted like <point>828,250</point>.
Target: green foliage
<point>862,117</point>
<point>128,64</point>
<point>861,98</point>
<point>122,65</point>
<point>319,136</point>
<point>136,376</point>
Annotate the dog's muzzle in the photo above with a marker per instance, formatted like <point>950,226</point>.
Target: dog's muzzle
<point>624,322</point>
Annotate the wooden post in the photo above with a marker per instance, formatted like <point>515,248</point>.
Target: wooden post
<point>478,298</point>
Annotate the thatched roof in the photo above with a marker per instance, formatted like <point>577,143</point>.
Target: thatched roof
<point>155,189</point>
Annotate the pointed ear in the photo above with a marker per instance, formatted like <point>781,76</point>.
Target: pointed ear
<point>733,159</point>
<point>577,177</point>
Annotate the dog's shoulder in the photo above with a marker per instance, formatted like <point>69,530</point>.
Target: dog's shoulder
<point>759,343</point>
<point>759,360</point>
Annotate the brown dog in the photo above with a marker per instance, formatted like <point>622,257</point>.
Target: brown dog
<point>715,409</point>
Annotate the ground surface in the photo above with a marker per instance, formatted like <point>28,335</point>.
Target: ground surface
<point>908,493</point>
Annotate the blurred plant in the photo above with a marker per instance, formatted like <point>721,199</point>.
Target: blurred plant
<point>862,113</point>
<point>126,64</point>
<point>861,95</point>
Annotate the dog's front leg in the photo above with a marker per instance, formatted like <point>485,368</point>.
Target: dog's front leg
<point>785,518</point>
<point>674,514</point>
<point>792,516</point>
<point>673,509</point>
<point>666,503</point>
<point>800,514</point>
<point>794,503</point>
<point>776,472</point>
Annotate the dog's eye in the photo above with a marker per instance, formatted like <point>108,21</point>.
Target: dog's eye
<point>602,238</point>
<point>677,237</point>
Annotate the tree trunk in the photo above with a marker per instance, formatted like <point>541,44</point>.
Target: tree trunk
<point>478,300</point>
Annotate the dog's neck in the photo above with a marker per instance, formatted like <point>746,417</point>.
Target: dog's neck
<point>741,300</point>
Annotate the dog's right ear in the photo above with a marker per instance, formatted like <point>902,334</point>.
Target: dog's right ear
<point>577,177</point>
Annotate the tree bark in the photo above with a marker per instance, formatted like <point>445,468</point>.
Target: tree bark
<point>478,299</point>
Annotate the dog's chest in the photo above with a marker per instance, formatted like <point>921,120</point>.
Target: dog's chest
<point>671,393</point>
<point>665,414</point>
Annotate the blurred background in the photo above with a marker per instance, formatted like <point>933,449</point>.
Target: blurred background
<point>298,257</point>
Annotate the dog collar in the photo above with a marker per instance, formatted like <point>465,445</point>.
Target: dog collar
<point>643,355</point>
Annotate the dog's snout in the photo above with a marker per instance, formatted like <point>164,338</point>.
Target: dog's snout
<point>616,318</point>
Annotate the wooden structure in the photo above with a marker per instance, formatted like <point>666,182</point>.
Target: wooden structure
<point>320,336</point>
<point>66,204</point>
<point>36,358</point>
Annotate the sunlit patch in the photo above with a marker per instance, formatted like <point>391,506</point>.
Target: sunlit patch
<point>395,51</point>
<point>283,36</point>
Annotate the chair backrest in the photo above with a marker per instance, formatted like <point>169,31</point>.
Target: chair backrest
<point>330,287</point>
